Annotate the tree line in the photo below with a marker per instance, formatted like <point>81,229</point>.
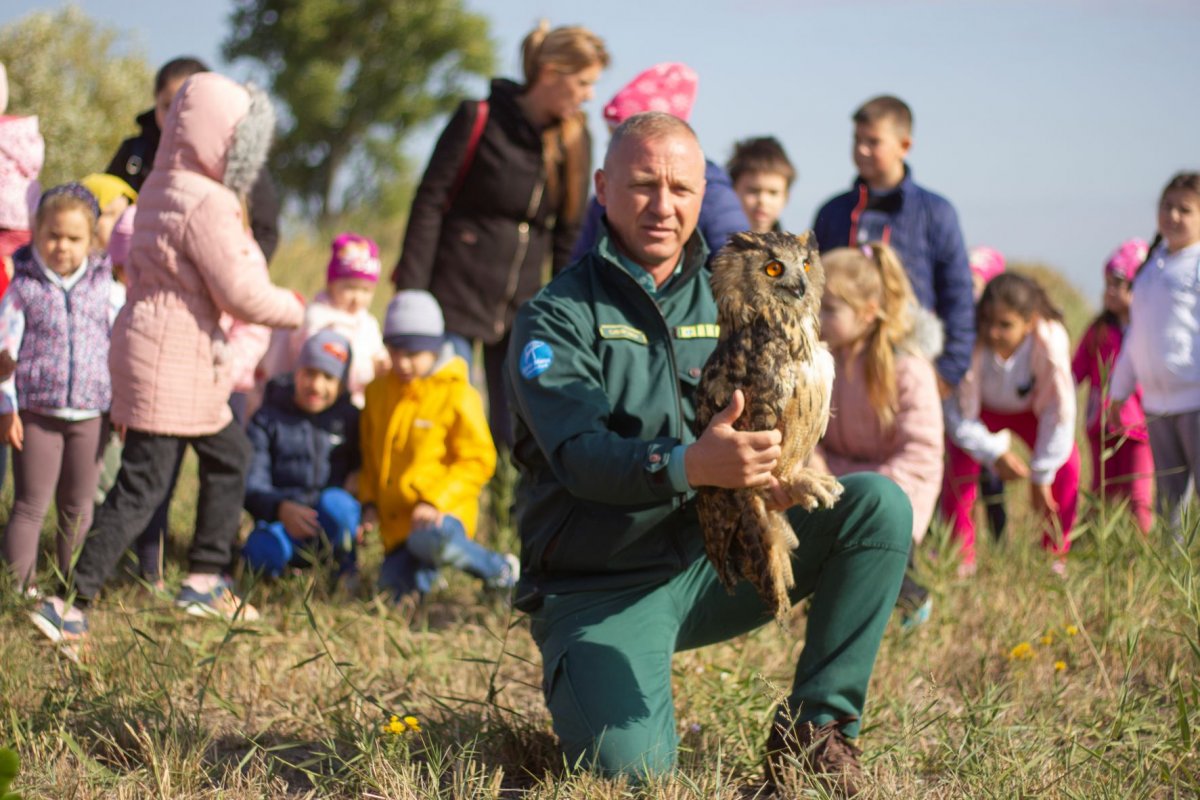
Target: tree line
<point>351,79</point>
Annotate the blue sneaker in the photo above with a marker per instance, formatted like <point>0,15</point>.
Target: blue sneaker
<point>66,628</point>
<point>917,616</point>
<point>220,601</point>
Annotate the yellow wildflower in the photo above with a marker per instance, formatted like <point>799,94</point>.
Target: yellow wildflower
<point>1072,630</point>
<point>1047,639</point>
<point>413,723</point>
<point>1059,666</point>
<point>1021,652</point>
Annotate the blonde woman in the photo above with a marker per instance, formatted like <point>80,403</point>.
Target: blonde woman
<point>505,188</point>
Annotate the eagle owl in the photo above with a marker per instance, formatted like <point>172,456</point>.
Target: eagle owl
<point>768,293</point>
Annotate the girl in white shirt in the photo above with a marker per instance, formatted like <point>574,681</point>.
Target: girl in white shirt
<point>1162,346</point>
<point>1019,382</point>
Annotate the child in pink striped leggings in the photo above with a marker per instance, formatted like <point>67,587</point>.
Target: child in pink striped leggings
<point>1019,383</point>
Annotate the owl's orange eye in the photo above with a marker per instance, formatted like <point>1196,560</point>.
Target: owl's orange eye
<point>773,268</point>
<point>807,264</point>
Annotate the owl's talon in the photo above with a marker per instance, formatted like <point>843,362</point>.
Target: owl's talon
<point>815,491</point>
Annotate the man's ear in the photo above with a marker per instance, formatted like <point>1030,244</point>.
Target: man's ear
<point>906,144</point>
<point>600,188</point>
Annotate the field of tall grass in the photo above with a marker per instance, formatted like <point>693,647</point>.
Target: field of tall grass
<point>1023,683</point>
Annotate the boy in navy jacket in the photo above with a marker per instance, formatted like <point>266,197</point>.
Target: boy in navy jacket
<point>886,205</point>
<point>305,449</point>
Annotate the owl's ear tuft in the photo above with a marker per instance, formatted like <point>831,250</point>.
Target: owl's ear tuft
<point>744,240</point>
<point>808,239</point>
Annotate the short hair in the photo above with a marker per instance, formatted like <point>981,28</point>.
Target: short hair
<point>645,126</point>
<point>762,154</point>
<point>177,69</point>
<point>885,107</point>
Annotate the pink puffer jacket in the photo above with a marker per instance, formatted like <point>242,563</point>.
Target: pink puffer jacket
<point>192,258</point>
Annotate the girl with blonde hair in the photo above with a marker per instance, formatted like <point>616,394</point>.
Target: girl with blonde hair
<point>886,407</point>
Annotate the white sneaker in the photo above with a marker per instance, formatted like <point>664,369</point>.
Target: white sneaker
<point>220,602</point>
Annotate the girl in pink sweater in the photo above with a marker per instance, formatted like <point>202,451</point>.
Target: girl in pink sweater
<point>1128,471</point>
<point>886,409</point>
<point>1019,382</point>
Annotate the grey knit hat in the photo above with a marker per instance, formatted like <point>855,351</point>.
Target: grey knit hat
<point>327,351</point>
<point>414,322</point>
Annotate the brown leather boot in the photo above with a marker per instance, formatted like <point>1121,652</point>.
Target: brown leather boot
<point>820,751</point>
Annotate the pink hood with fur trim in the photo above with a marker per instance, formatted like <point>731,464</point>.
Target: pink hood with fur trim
<point>192,258</point>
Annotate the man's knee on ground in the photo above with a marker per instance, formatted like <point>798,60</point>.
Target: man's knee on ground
<point>621,752</point>
<point>608,719</point>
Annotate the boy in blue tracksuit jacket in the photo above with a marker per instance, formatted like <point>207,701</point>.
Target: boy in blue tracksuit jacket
<point>305,447</point>
<point>886,205</point>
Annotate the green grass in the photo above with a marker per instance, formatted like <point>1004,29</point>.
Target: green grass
<point>166,706</point>
<point>170,707</point>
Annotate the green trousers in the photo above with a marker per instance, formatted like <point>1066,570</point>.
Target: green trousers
<point>607,654</point>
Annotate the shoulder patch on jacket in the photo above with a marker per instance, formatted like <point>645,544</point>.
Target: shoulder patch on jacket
<point>536,358</point>
<point>623,332</point>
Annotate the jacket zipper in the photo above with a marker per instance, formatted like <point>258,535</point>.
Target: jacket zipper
<point>70,348</point>
<point>312,448</point>
<point>514,270</point>
<point>670,340</point>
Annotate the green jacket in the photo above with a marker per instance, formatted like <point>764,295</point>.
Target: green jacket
<point>603,379</point>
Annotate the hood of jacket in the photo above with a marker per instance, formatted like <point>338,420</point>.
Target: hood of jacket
<point>23,146</point>
<point>219,129</point>
<point>927,336</point>
<point>509,115</point>
<point>448,368</point>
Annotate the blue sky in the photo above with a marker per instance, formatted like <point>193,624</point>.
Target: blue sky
<point>1052,126</point>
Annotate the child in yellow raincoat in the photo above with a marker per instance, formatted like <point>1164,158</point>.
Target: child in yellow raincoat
<point>427,454</point>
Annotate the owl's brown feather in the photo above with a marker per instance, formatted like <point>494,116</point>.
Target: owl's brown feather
<point>768,292</point>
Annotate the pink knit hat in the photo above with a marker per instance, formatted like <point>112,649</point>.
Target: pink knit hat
<point>1126,259</point>
<point>353,256</point>
<point>986,262</point>
<point>669,87</point>
<point>120,241</point>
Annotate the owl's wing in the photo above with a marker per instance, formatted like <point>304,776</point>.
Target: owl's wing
<point>823,366</point>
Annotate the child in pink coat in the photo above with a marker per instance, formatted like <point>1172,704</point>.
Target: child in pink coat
<point>1128,472</point>
<point>886,408</point>
<point>1019,382</point>
<point>193,258</point>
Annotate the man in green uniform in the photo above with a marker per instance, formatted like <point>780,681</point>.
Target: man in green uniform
<point>603,371</point>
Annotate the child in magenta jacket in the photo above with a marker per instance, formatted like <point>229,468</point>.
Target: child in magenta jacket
<point>1129,471</point>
